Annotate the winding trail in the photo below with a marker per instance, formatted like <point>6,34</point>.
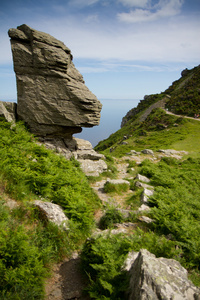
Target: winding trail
<point>181,116</point>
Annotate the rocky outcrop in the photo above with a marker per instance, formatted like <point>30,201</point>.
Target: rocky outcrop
<point>8,111</point>
<point>52,97</point>
<point>91,162</point>
<point>51,212</point>
<point>158,278</point>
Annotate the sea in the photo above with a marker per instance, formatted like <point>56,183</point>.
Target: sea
<point>111,116</point>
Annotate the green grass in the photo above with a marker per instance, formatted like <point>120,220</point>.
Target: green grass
<point>112,188</point>
<point>175,207</point>
<point>183,137</point>
<point>28,247</point>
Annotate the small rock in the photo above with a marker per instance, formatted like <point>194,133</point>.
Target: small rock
<point>145,195</point>
<point>142,185</point>
<point>146,219</point>
<point>82,144</point>
<point>118,181</point>
<point>147,151</point>
<point>144,207</point>
<point>93,167</point>
<point>142,178</point>
<point>88,154</point>
<point>52,212</point>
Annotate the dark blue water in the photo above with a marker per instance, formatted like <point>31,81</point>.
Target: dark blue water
<point>111,116</point>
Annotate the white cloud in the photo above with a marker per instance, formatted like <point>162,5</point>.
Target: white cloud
<point>174,41</point>
<point>164,8</point>
<point>134,3</point>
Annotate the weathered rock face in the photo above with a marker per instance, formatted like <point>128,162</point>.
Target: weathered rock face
<point>52,96</point>
<point>8,111</point>
<point>52,212</point>
<point>158,278</point>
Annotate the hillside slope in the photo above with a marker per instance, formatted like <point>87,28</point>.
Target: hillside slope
<point>149,125</point>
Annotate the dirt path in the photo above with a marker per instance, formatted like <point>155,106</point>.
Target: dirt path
<point>181,116</point>
<point>67,282</point>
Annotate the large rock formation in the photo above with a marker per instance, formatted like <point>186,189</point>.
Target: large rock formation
<point>158,278</point>
<point>52,97</point>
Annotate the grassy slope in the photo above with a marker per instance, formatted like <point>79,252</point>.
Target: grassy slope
<point>183,136</point>
<point>28,171</point>
<point>28,247</point>
<point>175,203</point>
<point>157,130</point>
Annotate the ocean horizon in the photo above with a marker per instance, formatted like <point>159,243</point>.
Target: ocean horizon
<point>113,111</point>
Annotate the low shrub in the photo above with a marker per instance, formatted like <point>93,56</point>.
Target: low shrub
<point>103,258</point>
<point>110,187</point>
<point>111,216</point>
<point>29,171</point>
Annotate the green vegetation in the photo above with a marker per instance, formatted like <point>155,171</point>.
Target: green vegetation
<point>174,234</point>
<point>175,205</point>
<point>161,131</point>
<point>110,187</point>
<point>29,171</point>
<point>103,259</point>
<point>111,217</point>
<point>185,94</point>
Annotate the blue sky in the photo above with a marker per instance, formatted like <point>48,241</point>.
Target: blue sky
<point>124,49</point>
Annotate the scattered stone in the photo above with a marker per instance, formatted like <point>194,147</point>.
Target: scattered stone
<point>144,207</point>
<point>147,151</point>
<point>124,143</point>
<point>158,278</point>
<point>82,144</point>
<point>118,181</point>
<point>133,152</point>
<point>142,178</point>
<point>93,167</point>
<point>52,96</point>
<point>88,154</point>
<point>172,152</point>
<point>145,195</point>
<point>52,212</point>
<point>142,185</point>
<point>146,219</point>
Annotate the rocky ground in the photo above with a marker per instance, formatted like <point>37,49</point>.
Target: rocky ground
<point>67,281</point>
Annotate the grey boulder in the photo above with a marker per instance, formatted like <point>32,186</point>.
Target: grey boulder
<point>154,278</point>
